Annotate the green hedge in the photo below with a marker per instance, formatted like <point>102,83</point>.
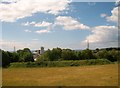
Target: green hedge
<point>61,63</point>
<point>18,64</point>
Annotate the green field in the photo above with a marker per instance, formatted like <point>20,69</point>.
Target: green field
<point>96,75</point>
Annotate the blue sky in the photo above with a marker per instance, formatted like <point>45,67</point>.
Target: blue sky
<point>68,26</point>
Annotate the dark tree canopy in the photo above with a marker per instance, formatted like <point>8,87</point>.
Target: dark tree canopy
<point>5,59</point>
<point>25,55</point>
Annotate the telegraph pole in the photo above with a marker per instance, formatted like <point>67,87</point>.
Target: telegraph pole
<point>87,44</point>
<point>14,49</point>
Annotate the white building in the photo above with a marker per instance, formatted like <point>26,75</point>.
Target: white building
<point>37,53</point>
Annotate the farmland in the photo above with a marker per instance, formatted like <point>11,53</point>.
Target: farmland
<point>95,75</point>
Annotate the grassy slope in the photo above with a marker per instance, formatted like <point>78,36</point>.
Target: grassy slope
<point>98,75</point>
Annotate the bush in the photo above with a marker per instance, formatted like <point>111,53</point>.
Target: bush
<point>61,63</point>
<point>18,64</point>
<point>31,64</point>
<point>98,61</point>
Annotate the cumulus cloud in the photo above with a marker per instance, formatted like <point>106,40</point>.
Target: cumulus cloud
<point>69,23</point>
<point>117,2</point>
<point>114,16</point>
<point>101,34</point>
<point>25,24</point>
<point>43,24</point>
<point>24,8</point>
<point>8,1</point>
<point>103,15</point>
<point>43,31</point>
<point>40,24</point>
<point>28,23</point>
<point>27,30</point>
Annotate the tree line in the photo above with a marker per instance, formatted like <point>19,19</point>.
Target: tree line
<point>58,54</point>
<point>24,55</point>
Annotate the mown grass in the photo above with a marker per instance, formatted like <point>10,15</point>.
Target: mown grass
<point>95,75</point>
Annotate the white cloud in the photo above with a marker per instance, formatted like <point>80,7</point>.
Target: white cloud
<point>9,1</point>
<point>117,2</point>
<point>32,23</point>
<point>25,8</point>
<point>114,16</point>
<point>27,30</point>
<point>25,24</point>
<point>43,24</point>
<point>40,24</point>
<point>69,23</point>
<point>43,31</point>
<point>103,15</point>
<point>28,23</point>
<point>101,34</point>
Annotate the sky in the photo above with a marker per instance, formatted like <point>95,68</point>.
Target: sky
<point>57,23</point>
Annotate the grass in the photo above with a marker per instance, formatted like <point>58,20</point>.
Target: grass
<point>98,75</point>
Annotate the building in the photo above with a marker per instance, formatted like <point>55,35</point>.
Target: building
<point>38,53</point>
<point>42,50</point>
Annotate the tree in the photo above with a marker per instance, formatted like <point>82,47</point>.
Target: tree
<point>13,56</point>
<point>20,53</point>
<point>56,53</point>
<point>25,55</point>
<point>5,59</point>
<point>52,55</point>
<point>87,54</point>
<point>101,54</point>
<point>79,55</point>
<point>68,54</point>
<point>112,55</point>
<point>0,58</point>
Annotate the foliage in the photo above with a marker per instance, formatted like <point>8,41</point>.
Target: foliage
<point>68,54</point>
<point>60,57</point>
<point>57,54</point>
<point>13,56</point>
<point>25,55</point>
<point>18,64</point>
<point>0,58</point>
<point>61,63</point>
<point>112,55</point>
<point>87,54</point>
<point>5,59</point>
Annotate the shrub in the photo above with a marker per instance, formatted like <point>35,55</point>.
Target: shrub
<point>18,64</point>
<point>61,63</point>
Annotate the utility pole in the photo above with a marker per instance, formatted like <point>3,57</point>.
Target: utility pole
<point>87,44</point>
<point>14,49</point>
